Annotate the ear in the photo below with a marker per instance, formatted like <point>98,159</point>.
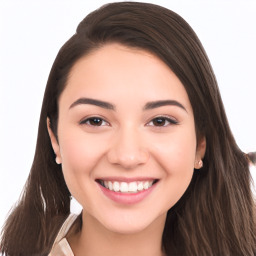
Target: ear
<point>200,152</point>
<point>54,142</point>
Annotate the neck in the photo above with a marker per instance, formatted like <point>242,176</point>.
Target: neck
<point>95,239</point>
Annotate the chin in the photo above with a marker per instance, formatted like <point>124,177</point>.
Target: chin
<point>126,229</point>
<point>127,224</point>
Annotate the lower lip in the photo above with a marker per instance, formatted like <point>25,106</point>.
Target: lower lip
<point>126,198</point>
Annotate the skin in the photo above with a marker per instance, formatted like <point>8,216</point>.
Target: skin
<point>127,144</point>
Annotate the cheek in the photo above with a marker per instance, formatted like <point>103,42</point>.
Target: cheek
<point>176,156</point>
<point>176,153</point>
<point>77,155</point>
<point>79,150</point>
<point>80,155</point>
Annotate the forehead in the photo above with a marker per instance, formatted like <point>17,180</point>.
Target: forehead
<point>117,73</point>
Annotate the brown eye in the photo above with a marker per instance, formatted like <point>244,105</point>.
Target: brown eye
<point>162,121</point>
<point>94,121</point>
<point>159,121</point>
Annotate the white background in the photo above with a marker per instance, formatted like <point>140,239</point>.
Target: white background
<point>31,33</point>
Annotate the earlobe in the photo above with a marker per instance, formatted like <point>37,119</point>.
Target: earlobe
<point>200,152</point>
<point>54,142</point>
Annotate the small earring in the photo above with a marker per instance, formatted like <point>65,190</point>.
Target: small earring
<point>57,160</point>
<point>200,164</point>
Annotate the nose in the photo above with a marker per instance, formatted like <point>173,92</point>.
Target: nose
<point>127,150</point>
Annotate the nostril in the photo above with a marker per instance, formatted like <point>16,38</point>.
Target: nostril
<point>128,159</point>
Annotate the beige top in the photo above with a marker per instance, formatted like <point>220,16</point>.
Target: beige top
<point>60,246</point>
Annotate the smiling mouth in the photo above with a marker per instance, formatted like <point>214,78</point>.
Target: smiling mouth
<point>127,187</point>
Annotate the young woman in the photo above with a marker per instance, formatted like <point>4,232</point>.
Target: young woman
<point>133,126</point>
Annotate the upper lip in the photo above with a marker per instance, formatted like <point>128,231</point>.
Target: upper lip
<point>126,179</point>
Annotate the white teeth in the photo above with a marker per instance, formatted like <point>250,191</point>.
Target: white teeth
<point>116,186</point>
<point>140,186</point>
<point>146,185</point>
<point>110,186</point>
<point>106,184</point>
<point>124,187</point>
<point>133,187</point>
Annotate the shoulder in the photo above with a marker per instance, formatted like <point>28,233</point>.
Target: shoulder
<point>60,246</point>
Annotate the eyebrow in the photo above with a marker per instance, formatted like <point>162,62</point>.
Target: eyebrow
<point>161,103</point>
<point>109,106</point>
<point>98,103</point>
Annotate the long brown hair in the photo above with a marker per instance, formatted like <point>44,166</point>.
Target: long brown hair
<point>215,216</point>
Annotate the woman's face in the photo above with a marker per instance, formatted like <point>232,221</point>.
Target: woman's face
<point>126,137</point>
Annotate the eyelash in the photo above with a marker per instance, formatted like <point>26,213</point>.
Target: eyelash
<point>164,118</point>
